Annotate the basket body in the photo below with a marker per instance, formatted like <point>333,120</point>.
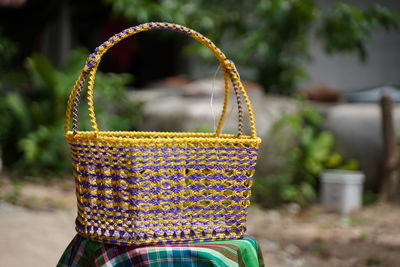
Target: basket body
<point>141,188</point>
<point>136,189</point>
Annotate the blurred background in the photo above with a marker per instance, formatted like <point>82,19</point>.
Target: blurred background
<point>323,77</point>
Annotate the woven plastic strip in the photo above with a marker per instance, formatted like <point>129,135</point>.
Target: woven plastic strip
<point>94,59</point>
<point>138,188</point>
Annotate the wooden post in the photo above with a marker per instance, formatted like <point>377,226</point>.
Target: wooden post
<point>390,174</point>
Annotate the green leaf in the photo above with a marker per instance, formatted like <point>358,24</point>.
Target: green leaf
<point>307,191</point>
<point>75,61</point>
<point>290,193</point>
<point>42,72</point>
<point>19,109</point>
<point>307,136</point>
<point>333,161</point>
<point>312,116</point>
<point>321,147</point>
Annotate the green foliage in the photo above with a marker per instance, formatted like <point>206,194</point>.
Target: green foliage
<point>13,195</point>
<point>270,36</point>
<point>8,76</point>
<point>31,125</point>
<point>277,43</point>
<point>8,50</point>
<point>308,150</point>
<point>373,261</point>
<point>202,128</point>
<point>276,189</point>
<point>348,29</point>
<point>369,197</point>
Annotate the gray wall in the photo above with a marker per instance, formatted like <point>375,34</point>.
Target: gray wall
<point>342,71</point>
<point>345,71</point>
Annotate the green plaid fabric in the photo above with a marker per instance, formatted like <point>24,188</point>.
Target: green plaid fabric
<point>82,252</point>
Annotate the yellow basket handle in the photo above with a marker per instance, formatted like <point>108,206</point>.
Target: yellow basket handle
<point>92,62</point>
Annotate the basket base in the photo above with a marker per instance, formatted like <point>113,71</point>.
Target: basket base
<point>158,241</point>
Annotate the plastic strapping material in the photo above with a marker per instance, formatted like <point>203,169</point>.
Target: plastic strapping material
<point>95,58</point>
<point>142,188</point>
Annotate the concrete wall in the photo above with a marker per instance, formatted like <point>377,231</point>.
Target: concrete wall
<point>345,71</point>
<point>342,71</point>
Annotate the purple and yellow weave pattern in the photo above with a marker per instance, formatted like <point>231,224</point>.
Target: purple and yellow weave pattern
<point>141,188</point>
<point>162,193</point>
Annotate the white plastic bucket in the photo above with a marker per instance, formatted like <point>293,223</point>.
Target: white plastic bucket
<point>342,190</point>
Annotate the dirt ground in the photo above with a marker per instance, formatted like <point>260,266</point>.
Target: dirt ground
<point>37,223</point>
<point>370,237</point>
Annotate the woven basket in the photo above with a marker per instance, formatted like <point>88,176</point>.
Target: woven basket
<point>140,188</point>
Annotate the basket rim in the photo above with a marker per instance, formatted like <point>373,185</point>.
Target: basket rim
<point>159,137</point>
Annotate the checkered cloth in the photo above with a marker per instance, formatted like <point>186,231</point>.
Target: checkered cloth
<point>82,252</point>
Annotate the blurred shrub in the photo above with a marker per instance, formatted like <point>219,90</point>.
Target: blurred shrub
<point>8,50</point>
<point>348,29</point>
<point>32,114</point>
<point>307,150</point>
<point>270,36</point>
